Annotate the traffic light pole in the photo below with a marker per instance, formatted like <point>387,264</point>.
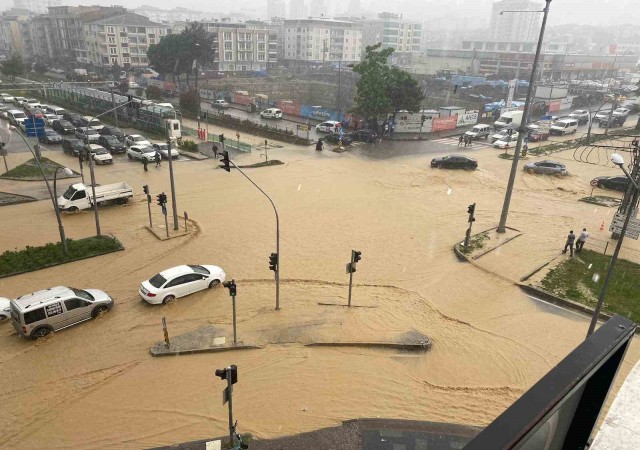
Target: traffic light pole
<point>472,209</point>
<point>233,303</point>
<point>350,283</point>
<point>173,188</point>
<point>277,271</point>
<point>230,399</point>
<point>93,186</point>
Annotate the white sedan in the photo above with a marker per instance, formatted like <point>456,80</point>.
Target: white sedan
<point>5,310</point>
<point>136,139</point>
<point>163,149</point>
<point>327,127</point>
<point>504,143</point>
<point>49,118</point>
<point>180,281</point>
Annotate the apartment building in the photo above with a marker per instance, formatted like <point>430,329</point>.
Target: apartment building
<point>322,40</point>
<point>177,14</point>
<point>14,33</point>
<point>404,36</point>
<point>122,39</point>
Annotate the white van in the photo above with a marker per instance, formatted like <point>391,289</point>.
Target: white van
<point>479,131</point>
<point>271,113</point>
<point>564,126</point>
<point>511,119</point>
<point>56,110</point>
<point>38,314</point>
<point>16,116</point>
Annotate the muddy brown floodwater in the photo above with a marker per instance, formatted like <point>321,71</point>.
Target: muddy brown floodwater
<point>96,386</point>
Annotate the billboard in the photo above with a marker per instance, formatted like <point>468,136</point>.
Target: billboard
<point>468,118</point>
<point>444,123</point>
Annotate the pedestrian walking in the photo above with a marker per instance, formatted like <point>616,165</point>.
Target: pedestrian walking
<point>466,140</point>
<point>158,159</point>
<point>581,240</point>
<point>215,150</point>
<point>570,240</point>
<point>145,162</point>
<point>319,145</point>
<point>460,140</point>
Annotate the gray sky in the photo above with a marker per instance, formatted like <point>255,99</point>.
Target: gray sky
<point>596,12</point>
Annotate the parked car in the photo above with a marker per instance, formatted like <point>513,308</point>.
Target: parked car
<point>32,103</point>
<point>163,149</point>
<point>6,98</point>
<point>88,121</point>
<point>271,113</point>
<point>500,135</point>
<point>613,121</point>
<point>112,144</point>
<point>546,167</point>
<point>564,126</point>
<point>50,118</point>
<point>50,137</point>
<point>479,131</point>
<point>364,136</point>
<point>19,101</point>
<point>327,127</point>
<point>334,138</point>
<point>613,183</point>
<point>3,111</point>
<point>108,130</point>
<point>63,127</point>
<point>621,112</point>
<point>5,309</point>
<point>141,151</point>
<point>85,133</point>
<point>454,162</point>
<point>72,147</point>
<point>538,135</point>
<point>220,104</point>
<point>100,154</point>
<point>40,313</point>
<point>136,139</point>
<point>600,115</point>
<point>16,117</point>
<point>180,281</point>
<point>74,118</point>
<point>581,115</point>
<point>505,143</point>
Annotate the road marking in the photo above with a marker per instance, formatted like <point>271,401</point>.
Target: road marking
<point>454,141</point>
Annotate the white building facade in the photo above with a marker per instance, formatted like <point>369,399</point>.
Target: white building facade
<point>322,40</point>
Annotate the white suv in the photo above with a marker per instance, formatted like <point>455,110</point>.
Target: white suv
<point>141,152</point>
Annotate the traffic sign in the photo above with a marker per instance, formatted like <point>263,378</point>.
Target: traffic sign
<point>34,127</point>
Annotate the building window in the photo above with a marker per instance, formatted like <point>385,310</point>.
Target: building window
<point>260,56</point>
<point>260,37</point>
<point>112,40</point>
<point>126,60</point>
<point>228,56</point>
<point>111,30</point>
<point>124,40</point>
<point>152,41</point>
<point>261,47</point>
<point>227,36</point>
<point>114,60</point>
<point>113,51</point>
<point>228,46</point>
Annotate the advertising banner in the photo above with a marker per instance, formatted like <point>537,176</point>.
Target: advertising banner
<point>444,123</point>
<point>289,107</point>
<point>554,106</point>
<point>319,113</point>
<point>468,118</point>
<point>242,98</point>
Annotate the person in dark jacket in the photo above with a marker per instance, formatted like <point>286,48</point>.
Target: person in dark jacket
<point>158,159</point>
<point>319,145</point>
<point>571,238</point>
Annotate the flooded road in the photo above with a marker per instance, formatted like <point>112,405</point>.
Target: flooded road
<point>96,386</point>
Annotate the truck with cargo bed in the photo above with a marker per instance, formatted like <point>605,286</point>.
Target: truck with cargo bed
<point>80,196</point>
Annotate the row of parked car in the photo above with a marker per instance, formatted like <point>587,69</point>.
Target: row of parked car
<point>38,314</point>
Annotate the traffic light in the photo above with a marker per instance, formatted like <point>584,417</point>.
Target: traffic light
<point>231,285</point>
<point>145,188</point>
<point>162,199</point>
<point>221,138</point>
<point>356,256</point>
<point>225,161</point>
<point>273,262</point>
<point>230,373</point>
<point>471,210</point>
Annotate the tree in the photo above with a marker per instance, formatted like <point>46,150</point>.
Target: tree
<point>383,89</point>
<point>123,87</point>
<point>154,93</point>
<point>14,66</point>
<point>189,101</point>
<point>40,67</point>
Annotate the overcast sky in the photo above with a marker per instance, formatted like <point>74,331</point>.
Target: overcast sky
<point>596,12</point>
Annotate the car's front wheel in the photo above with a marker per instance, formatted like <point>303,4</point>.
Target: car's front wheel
<point>129,156</point>
<point>214,283</point>
<point>100,310</point>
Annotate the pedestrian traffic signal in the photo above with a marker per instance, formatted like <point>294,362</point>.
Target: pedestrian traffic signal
<point>231,285</point>
<point>225,161</point>
<point>145,188</point>
<point>230,373</point>
<point>273,262</point>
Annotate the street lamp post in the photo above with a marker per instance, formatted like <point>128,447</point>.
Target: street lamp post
<point>522,128</point>
<point>63,239</point>
<point>618,161</point>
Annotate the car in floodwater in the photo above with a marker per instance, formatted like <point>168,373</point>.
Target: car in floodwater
<point>546,167</point>
<point>180,281</point>
<point>614,183</point>
<point>454,162</point>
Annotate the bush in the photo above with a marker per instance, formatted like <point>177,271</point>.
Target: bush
<point>154,93</point>
<point>188,146</point>
<point>189,101</point>
<point>35,258</point>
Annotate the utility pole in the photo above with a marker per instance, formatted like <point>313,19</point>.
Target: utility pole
<point>113,104</point>
<point>523,124</point>
<point>174,208</point>
<point>630,199</point>
<point>93,185</point>
<point>351,268</point>
<point>471,210</point>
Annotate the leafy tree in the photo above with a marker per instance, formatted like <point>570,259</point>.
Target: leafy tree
<point>189,101</point>
<point>40,67</point>
<point>14,66</point>
<point>154,92</point>
<point>383,89</point>
<point>123,87</point>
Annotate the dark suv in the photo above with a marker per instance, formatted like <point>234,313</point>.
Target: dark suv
<point>364,136</point>
<point>74,118</point>
<point>112,144</point>
<point>72,147</point>
<point>108,130</point>
<point>63,127</point>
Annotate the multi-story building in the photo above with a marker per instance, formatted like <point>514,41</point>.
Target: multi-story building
<point>322,40</point>
<point>36,6</point>
<point>297,9</point>
<point>515,26</point>
<point>275,8</point>
<point>170,16</point>
<point>275,40</point>
<point>14,33</point>
<point>518,46</point>
<point>404,36</point>
<point>122,39</point>
<point>243,47</point>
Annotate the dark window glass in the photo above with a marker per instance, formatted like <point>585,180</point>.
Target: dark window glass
<point>75,303</point>
<point>34,316</point>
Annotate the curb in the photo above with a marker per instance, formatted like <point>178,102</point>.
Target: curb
<point>421,346</point>
<point>162,352</point>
